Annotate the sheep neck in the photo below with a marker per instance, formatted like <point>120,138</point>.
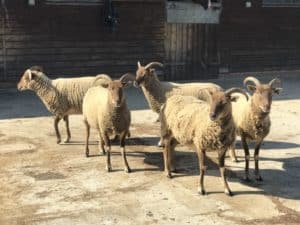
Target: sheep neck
<point>227,129</point>
<point>154,93</point>
<point>115,113</point>
<point>47,92</point>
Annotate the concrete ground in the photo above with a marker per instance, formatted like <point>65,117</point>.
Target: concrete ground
<point>45,183</point>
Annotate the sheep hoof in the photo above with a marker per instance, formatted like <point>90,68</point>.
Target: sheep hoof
<point>201,191</point>
<point>58,141</point>
<point>127,170</point>
<point>235,160</point>
<point>108,168</point>
<point>258,178</point>
<point>228,192</point>
<point>169,175</point>
<point>87,154</point>
<point>67,140</point>
<point>160,144</point>
<point>103,152</point>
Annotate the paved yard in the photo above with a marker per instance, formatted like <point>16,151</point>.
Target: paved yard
<point>45,183</point>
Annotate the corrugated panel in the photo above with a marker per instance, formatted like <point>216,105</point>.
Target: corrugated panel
<point>259,39</point>
<point>191,51</point>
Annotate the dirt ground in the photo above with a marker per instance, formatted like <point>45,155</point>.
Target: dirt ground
<point>45,183</point>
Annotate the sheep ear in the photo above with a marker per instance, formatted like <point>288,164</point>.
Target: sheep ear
<point>251,88</point>
<point>277,90</point>
<point>127,79</point>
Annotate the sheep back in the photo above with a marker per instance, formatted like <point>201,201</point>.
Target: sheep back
<point>72,91</point>
<point>187,120</point>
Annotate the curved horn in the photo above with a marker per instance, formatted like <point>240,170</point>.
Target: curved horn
<point>252,79</point>
<point>29,74</point>
<point>236,90</point>
<point>154,64</point>
<point>127,77</point>
<point>276,80</point>
<point>139,64</point>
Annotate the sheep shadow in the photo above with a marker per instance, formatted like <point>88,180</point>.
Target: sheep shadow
<point>132,141</point>
<point>270,145</point>
<point>283,183</point>
<point>186,163</point>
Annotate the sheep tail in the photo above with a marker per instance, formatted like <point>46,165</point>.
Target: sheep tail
<point>102,80</point>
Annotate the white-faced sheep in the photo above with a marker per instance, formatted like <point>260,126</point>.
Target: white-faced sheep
<point>62,97</point>
<point>252,119</point>
<point>202,125</point>
<point>105,109</point>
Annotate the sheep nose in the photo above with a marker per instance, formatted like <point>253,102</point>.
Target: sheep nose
<point>266,109</point>
<point>212,116</point>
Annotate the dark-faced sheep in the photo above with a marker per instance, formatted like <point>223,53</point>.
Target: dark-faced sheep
<point>201,125</point>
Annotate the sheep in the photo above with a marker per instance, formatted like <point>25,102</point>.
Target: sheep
<point>62,97</point>
<point>252,119</point>
<point>105,109</point>
<point>204,126</point>
<point>157,92</point>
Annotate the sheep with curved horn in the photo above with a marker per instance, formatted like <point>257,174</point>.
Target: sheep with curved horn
<point>252,119</point>
<point>105,109</point>
<point>207,126</point>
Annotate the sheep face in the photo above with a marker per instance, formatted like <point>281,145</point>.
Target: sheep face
<point>220,103</point>
<point>27,80</point>
<point>262,94</point>
<point>116,93</point>
<point>146,73</point>
<point>262,98</point>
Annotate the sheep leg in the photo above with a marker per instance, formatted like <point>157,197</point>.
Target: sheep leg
<point>247,157</point>
<point>222,155</point>
<point>201,160</point>
<point>172,158</point>
<point>66,119</point>
<point>101,144</point>
<point>122,145</point>
<point>107,144</point>
<point>256,158</point>
<point>232,153</point>
<point>87,126</point>
<point>56,121</point>
<point>166,154</point>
